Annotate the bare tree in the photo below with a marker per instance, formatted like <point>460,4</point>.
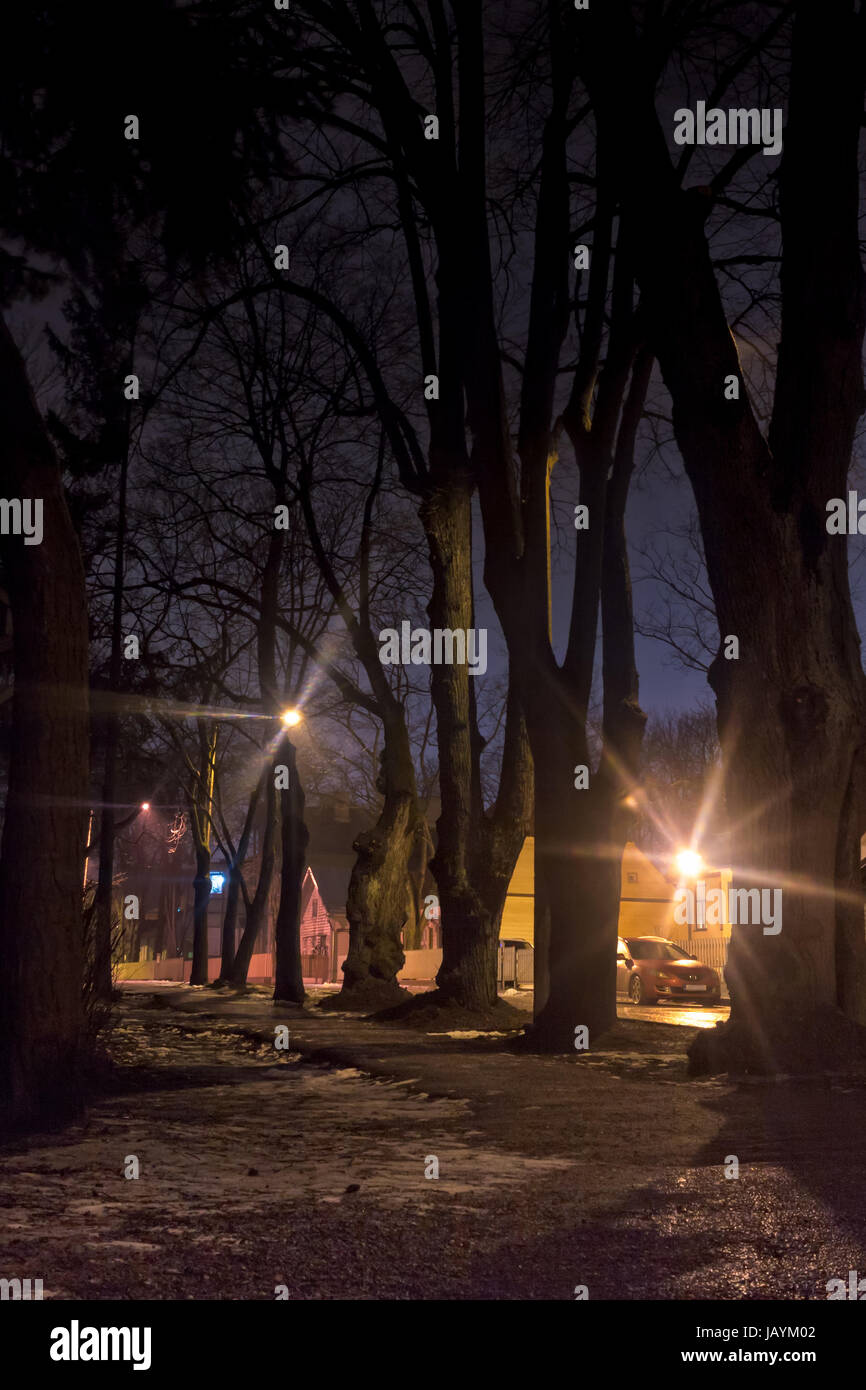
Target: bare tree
<point>45,821</point>
<point>443,192</point>
<point>791,707</point>
<point>681,794</point>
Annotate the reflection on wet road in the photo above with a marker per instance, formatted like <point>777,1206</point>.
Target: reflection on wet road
<point>688,1016</point>
<point>675,1013</point>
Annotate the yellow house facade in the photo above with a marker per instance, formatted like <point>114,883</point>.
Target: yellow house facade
<point>647,906</point>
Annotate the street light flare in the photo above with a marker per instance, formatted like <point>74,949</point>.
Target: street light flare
<point>145,805</point>
<point>689,863</point>
<point>291,717</point>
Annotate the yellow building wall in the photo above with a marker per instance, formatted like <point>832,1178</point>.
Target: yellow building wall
<point>646,898</point>
<point>517,915</point>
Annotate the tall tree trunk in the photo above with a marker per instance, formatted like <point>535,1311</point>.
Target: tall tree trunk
<point>582,816</point>
<point>201,898</point>
<point>288,973</point>
<point>792,745</point>
<point>164,925</point>
<point>578,874</point>
<point>468,971</point>
<point>419,864</point>
<point>201,810</point>
<point>468,975</point>
<point>230,922</point>
<point>377,897</point>
<point>235,876</point>
<point>266,655</point>
<point>579,824</point>
<point>104,889</point>
<point>792,706</point>
<point>581,887</point>
<point>45,823</point>
<point>294,836</point>
<point>103,898</point>
<point>257,910</point>
<point>476,851</point>
<point>574,973</point>
<point>376,900</point>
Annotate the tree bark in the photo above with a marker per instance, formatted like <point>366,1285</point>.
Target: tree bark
<point>235,876</point>
<point>476,851</point>
<point>791,709</point>
<point>45,823</point>
<point>257,910</point>
<point>201,898</point>
<point>419,865</point>
<point>377,896</point>
<point>580,830</point>
<point>230,922</point>
<point>376,899</point>
<point>201,810</point>
<point>470,944</point>
<point>589,887</point>
<point>460,344</point>
<point>575,881</point>
<point>105,883</point>
<point>577,869</point>
<point>294,836</point>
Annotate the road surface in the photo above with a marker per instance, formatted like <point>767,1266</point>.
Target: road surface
<point>686,1016</point>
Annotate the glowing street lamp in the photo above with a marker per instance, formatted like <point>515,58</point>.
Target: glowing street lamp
<point>689,863</point>
<point>145,805</point>
<point>291,717</point>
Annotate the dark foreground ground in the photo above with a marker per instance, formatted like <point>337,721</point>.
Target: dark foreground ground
<point>261,1168</point>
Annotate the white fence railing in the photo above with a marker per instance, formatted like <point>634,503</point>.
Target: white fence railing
<point>515,966</point>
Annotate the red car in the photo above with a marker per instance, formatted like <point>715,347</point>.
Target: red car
<point>649,969</point>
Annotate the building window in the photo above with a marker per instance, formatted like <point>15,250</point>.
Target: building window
<point>216,883</point>
<point>314,911</point>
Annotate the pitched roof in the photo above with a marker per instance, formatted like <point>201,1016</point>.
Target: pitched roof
<point>332,873</point>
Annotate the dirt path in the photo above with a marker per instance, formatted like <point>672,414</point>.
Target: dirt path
<point>260,1169</point>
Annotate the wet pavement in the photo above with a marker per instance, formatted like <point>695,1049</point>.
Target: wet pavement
<point>681,1015</point>
<point>684,1017</point>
